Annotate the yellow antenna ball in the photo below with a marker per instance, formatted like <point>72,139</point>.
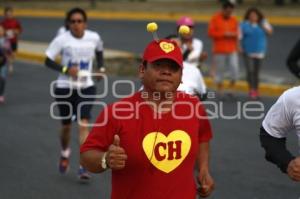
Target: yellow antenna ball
<point>152,27</point>
<point>183,30</point>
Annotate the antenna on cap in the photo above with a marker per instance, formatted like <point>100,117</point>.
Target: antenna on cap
<point>152,27</point>
<point>184,30</point>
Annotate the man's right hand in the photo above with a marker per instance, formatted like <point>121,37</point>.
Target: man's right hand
<point>116,156</point>
<point>73,71</point>
<point>293,169</point>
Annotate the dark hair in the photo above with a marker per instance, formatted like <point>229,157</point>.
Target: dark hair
<point>74,11</point>
<point>8,8</point>
<point>227,4</point>
<point>258,12</point>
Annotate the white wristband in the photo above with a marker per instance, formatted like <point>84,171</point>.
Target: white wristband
<point>103,161</point>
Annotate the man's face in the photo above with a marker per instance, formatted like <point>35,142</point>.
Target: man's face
<point>227,12</point>
<point>8,14</point>
<point>162,75</point>
<point>77,25</point>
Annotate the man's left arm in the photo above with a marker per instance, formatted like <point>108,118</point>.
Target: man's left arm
<point>205,134</point>
<point>204,178</point>
<point>99,61</point>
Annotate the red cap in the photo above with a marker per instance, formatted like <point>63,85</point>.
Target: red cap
<point>163,49</point>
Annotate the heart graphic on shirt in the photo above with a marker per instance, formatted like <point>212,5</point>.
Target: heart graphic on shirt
<point>166,153</point>
<point>166,47</point>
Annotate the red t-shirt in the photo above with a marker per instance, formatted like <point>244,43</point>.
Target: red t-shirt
<point>10,25</point>
<point>161,151</point>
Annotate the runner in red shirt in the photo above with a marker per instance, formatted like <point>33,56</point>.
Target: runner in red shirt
<point>152,140</point>
<point>13,29</point>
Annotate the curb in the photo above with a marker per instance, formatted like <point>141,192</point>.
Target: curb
<point>138,16</point>
<point>265,89</point>
<point>40,58</point>
<point>28,56</point>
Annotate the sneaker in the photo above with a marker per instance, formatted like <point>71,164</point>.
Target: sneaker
<point>2,99</point>
<point>63,165</point>
<point>83,174</point>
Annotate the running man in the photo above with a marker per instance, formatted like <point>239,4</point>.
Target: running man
<point>5,51</point>
<point>281,119</point>
<point>77,48</point>
<point>150,140</point>
<point>192,48</point>
<point>13,30</point>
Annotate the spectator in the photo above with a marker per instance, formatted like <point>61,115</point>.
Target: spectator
<point>224,32</point>
<point>254,30</point>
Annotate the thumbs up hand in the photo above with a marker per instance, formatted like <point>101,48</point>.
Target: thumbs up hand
<point>116,156</point>
<point>116,141</point>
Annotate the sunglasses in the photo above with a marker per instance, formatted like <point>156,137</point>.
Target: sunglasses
<point>76,21</point>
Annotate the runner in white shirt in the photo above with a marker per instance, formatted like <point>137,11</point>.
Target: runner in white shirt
<point>282,118</point>
<point>75,52</point>
<point>74,85</point>
<point>192,48</point>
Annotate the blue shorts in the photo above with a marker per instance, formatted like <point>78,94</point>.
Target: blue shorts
<point>69,105</point>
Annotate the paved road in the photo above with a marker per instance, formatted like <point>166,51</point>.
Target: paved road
<point>132,36</point>
<point>29,149</point>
